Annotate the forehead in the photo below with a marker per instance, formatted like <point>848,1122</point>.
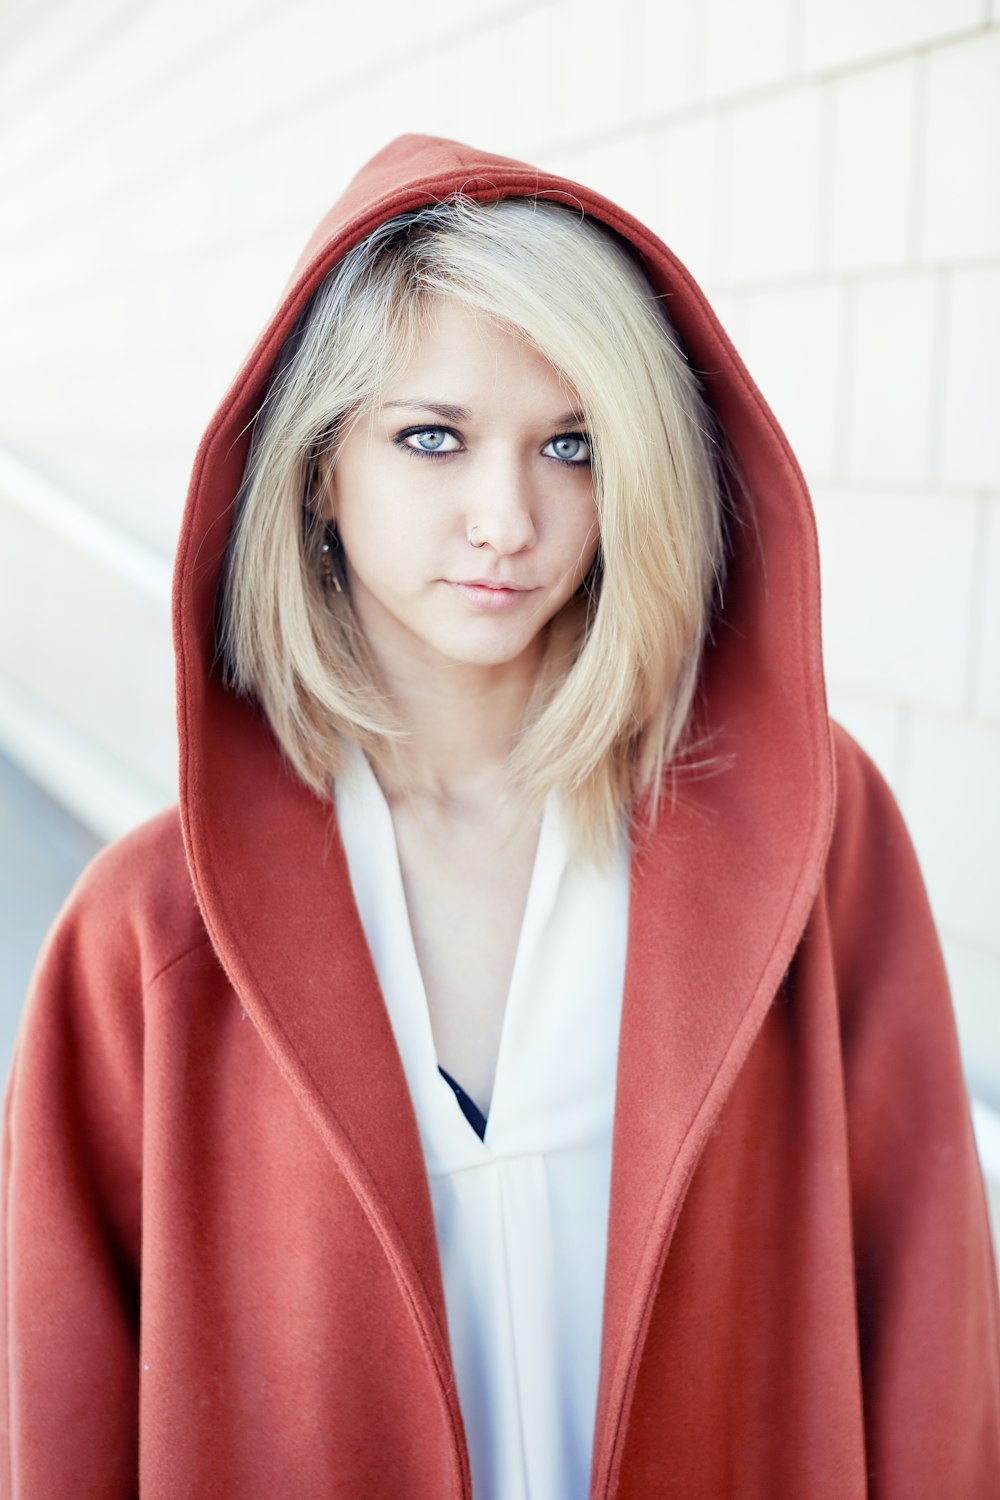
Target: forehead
<point>463,354</point>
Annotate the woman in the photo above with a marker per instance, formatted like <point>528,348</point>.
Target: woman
<point>523,1064</point>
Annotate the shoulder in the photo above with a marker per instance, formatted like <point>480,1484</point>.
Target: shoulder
<point>131,914</point>
<point>873,892</point>
<point>868,822</point>
<point>134,902</point>
<point>859,780</point>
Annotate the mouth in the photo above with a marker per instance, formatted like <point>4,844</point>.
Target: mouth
<point>496,585</point>
<point>487,593</point>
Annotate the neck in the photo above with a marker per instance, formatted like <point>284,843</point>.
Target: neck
<point>462,722</point>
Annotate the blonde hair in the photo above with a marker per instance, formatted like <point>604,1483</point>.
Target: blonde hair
<point>613,705</point>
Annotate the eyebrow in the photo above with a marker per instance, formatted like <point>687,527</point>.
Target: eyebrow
<point>463,414</point>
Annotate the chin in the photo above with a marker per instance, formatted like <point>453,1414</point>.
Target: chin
<point>484,656</point>
<point>466,650</point>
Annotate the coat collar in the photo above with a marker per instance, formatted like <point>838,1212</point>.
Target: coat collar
<point>720,891</point>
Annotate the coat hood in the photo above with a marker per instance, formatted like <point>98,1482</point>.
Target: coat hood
<point>731,872</point>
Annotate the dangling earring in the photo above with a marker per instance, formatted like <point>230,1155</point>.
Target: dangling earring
<point>327,566</point>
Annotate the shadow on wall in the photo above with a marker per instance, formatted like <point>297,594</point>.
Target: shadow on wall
<point>44,851</point>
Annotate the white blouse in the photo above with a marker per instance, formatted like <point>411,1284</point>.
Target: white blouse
<point>522,1214</point>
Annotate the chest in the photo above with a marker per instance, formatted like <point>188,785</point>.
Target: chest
<point>466,888</point>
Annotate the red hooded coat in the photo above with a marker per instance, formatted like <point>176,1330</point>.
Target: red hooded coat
<point>220,1264</point>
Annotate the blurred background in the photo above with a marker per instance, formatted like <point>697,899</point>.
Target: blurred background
<point>828,172</point>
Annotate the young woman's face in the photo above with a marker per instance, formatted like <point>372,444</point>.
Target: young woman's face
<point>477,436</point>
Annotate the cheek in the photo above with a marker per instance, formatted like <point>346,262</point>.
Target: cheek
<point>380,533</point>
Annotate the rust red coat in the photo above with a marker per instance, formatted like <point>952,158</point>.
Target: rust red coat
<point>221,1272</point>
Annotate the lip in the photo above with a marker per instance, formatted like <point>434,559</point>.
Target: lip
<point>486,593</point>
<point>496,584</point>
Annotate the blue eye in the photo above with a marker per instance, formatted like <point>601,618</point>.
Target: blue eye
<point>436,435</point>
<point>571,448</point>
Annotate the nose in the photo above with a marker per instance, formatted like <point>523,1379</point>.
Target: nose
<point>501,508</point>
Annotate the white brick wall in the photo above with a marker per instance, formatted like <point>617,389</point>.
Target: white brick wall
<point>746,46</point>
<point>828,172</point>
<point>892,555</point>
<point>985,649</point>
<point>873,174</point>
<point>892,412</point>
<point>970,431</point>
<point>835,35</point>
<point>780,333</point>
<point>954,816</point>
<point>681,163</point>
<point>775,198</point>
<point>960,214</point>
<point>665,71</point>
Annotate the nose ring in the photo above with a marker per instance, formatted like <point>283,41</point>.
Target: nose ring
<point>471,535</point>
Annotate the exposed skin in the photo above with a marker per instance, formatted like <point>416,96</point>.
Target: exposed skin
<point>461,663</point>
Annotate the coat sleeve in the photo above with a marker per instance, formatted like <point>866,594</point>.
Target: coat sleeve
<point>71,1207</point>
<point>925,1271</point>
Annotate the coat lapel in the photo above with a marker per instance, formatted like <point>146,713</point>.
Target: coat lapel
<point>714,922</point>
<point>275,889</point>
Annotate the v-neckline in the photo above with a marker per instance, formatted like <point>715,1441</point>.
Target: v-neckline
<point>469,1107</point>
<point>444,1116</point>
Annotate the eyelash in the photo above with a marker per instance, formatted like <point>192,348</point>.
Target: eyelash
<point>400,441</point>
